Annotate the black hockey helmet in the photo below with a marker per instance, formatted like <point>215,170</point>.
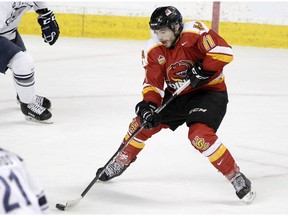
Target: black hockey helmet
<point>166,16</point>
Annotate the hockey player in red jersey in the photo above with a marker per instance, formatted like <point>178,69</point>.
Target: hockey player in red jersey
<point>178,52</point>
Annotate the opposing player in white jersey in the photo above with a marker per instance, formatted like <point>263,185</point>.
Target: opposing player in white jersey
<point>13,54</point>
<point>19,192</point>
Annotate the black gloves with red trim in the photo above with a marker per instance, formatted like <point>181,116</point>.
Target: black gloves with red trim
<point>198,76</point>
<point>49,26</point>
<point>146,113</point>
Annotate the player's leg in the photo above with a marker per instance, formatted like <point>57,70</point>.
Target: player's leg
<point>169,118</point>
<point>43,101</point>
<point>203,124</point>
<point>15,46</point>
<point>21,64</point>
<point>130,152</point>
<point>23,72</point>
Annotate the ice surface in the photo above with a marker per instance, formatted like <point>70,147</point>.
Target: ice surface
<point>94,85</point>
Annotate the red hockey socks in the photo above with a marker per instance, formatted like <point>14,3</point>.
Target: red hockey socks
<point>204,139</point>
<point>130,152</point>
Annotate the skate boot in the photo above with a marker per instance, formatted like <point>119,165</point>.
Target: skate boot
<point>116,168</point>
<point>43,101</point>
<point>35,112</point>
<point>242,186</point>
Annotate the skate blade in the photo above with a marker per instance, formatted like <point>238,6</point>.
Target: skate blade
<point>249,197</point>
<point>48,121</point>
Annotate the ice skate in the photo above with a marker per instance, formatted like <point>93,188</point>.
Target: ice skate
<point>242,186</point>
<point>113,170</point>
<point>36,112</point>
<point>116,168</point>
<point>43,101</point>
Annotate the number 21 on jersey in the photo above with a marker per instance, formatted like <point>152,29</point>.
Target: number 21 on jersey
<point>6,185</point>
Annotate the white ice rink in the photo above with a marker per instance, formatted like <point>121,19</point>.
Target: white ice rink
<point>94,85</point>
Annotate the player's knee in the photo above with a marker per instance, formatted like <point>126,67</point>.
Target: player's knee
<point>144,134</point>
<point>22,64</point>
<point>202,137</point>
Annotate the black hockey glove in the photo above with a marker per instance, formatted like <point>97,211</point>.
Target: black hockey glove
<point>49,26</point>
<point>197,76</point>
<point>146,112</point>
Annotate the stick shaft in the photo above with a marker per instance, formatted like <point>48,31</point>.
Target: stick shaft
<point>139,129</point>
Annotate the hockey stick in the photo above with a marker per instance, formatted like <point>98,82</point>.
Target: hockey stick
<point>72,203</point>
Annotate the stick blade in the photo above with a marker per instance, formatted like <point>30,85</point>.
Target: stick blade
<point>69,204</point>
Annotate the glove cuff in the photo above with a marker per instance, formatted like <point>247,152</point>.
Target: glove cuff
<point>42,11</point>
<point>47,13</point>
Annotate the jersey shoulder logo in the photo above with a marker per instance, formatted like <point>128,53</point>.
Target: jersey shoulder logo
<point>161,59</point>
<point>199,26</point>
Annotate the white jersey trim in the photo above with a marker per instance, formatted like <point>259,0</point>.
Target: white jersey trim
<point>212,148</point>
<point>221,49</point>
<point>161,92</point>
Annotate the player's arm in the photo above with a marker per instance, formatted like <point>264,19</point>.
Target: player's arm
<point>48,23</point>
<point>153,85</point>
<point>152,92</point>
<point>4,14</point>
<point>217,53</point>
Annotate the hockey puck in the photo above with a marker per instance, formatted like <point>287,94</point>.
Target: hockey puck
<point>60,207</point>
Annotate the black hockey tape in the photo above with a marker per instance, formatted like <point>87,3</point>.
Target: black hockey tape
<point>60,207</point>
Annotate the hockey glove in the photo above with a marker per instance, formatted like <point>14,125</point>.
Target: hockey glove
<point>146,112</point>
<point>49,26</point>
<point>197,76</point>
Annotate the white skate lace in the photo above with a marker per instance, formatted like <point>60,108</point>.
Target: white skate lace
<point>113,169</point>
<point>36,108</point>
<point>238,182</point>
<point>39,99</point>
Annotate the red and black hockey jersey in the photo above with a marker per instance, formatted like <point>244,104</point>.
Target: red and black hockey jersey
<point>167,68</point>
